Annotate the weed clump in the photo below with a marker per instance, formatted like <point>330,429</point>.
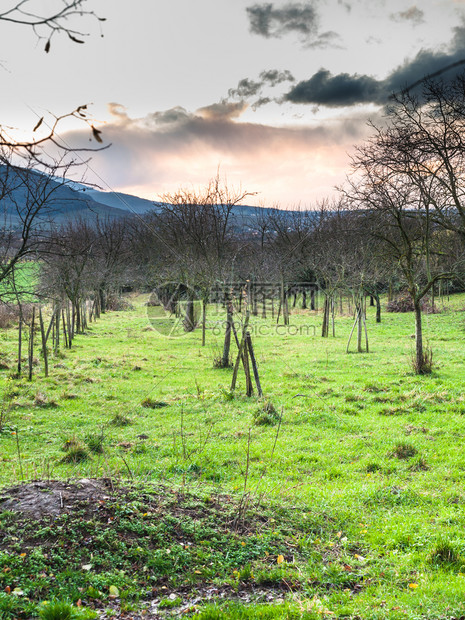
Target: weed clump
<point>219,362</point>
<point>403,450</point>
<point>419,464</point>
<point>424,365</point>
<point>95,442</point>
<point>167,603</point>
<point>149,403</point>
<point>70,443</point>
<point>445,554</point>
<point>62,610</point>
<point>41,400</point>
<point>266,415</point>
<point>76,454</point>
<point>120,420</point>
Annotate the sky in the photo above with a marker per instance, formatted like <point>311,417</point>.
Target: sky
<point>274,95</point>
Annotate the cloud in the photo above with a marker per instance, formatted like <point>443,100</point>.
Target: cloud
<point>335,90</point>
<point>223,111</point>
<point>413,14</point>
<point>345,89</point>
<point>247,88</point>
<point>171,148</point>
<point>302,19</point>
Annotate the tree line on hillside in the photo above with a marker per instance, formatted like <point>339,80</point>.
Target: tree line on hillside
<point>397,224</point>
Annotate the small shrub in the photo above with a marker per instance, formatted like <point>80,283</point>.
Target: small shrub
<point>266,415</point>
<point>116,303</point>
<point>403,302</point>
<point>404,450</point>
<point>76,454</point>
<point>9,314</point>
<point>149,403</point>
<point>120,420</point>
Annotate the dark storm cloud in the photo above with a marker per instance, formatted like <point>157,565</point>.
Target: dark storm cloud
<point>346,89</point>
<point>413,14</point>
<point>334,90</point>
<point>302,19</point>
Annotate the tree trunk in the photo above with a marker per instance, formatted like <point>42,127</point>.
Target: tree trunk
<point>189,316</point>
<point>419,357</point>
<point>264,306</point>
<point>254,300</point>
<point>359,328</point>
<point>204,321</point>
<point>227,335</point>
<point>372,301</point>
<point>103,306</point>
<point>312,299</point>
<point>378,309</point>
<point>325,326</point>
<point>286,309</point>
<point>333,326</point>
<point>304,299</point>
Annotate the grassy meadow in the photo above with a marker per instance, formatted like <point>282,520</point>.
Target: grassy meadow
<point>340,494</point>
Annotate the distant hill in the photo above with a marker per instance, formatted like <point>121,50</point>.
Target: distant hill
<point>118,200</point>
<point>20,187</point>
<point>73,201</point>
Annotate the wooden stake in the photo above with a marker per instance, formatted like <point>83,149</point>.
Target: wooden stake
<point>44,341</point>
<point>64,328</point>
<point>31,343</point>
<point>20,340</point>
<point>254,364</point>
<point>240,352</point>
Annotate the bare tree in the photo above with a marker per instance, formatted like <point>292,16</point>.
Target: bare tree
<point>397,215</point>
<point>47,21</point>
<point>27,207</point>
<point>196,227</point>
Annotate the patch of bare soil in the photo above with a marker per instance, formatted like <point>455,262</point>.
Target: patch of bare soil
<point>190,603</point>
<point>51,498</point>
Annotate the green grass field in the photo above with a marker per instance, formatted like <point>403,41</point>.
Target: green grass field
<point>357,512</point>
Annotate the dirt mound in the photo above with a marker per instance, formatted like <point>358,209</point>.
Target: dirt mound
<point>53,497</point>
